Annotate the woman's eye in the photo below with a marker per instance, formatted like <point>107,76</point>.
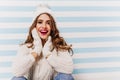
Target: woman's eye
<point>39,22</point>
<point>49,22</point>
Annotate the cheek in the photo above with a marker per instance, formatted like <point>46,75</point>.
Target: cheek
<point>38,26</point>
<point>49,28</point>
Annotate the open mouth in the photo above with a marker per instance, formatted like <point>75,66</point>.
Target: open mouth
<point>43,32</point>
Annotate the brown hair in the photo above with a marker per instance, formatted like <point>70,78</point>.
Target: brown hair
<point>58,42</point>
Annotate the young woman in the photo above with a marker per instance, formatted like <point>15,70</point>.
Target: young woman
<point>44,55</point>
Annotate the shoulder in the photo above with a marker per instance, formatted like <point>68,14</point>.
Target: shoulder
<point>26,44</point>
<point>23,48</point>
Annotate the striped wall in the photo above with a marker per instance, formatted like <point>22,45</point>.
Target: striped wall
<point>91,26</point>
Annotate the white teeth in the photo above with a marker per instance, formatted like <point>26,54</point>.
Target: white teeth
<point>43,31</point>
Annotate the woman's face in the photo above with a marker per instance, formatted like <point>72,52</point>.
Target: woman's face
<point>43,26</point>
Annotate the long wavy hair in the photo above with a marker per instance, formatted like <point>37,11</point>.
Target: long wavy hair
<point>58,42</point>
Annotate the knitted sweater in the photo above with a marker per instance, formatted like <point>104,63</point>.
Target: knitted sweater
<point>25,64</point>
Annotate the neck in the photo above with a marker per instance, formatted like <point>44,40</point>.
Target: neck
<point>43,42</point>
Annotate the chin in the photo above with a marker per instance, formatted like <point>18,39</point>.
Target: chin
<point>44,37</point>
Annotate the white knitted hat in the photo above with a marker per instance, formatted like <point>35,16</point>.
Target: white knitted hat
<point>42,8</point>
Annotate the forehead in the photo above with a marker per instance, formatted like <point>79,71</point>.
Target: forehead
<point>43,17</point>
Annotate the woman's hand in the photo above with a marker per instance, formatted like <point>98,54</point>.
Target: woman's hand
<point>47,48</point>
<point>37,42</point>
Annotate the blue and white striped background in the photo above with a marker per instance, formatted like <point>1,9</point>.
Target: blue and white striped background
<point>92,26</point>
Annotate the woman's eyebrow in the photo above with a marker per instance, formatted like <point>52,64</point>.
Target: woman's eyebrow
<point>39,20</point>
<point>48,20</point>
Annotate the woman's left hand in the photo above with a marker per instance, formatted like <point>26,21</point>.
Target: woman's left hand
<point>47,48</point>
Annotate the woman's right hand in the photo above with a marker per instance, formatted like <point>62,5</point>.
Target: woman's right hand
<point>37,42</point>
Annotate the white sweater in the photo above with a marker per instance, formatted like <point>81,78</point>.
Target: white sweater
<point>44,68</point>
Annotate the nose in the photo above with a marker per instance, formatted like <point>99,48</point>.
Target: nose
<point>43,25</point>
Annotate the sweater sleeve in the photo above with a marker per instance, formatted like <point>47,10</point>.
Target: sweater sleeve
<point>22,62</point>
<point>62,62</point>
